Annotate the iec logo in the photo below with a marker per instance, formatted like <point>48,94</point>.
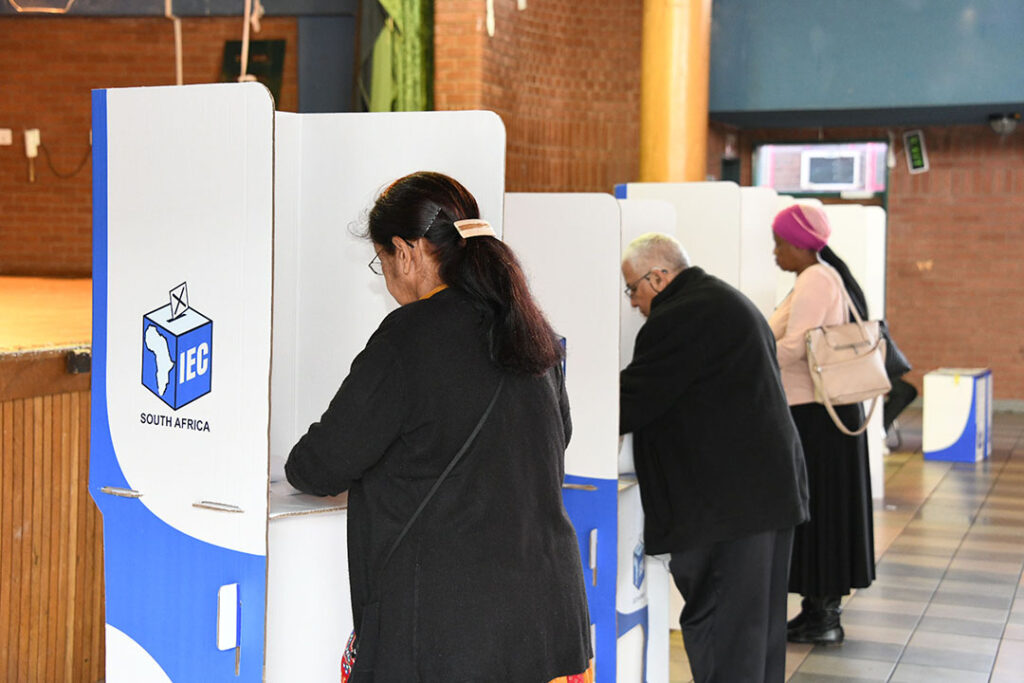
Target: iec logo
<point>177,351</point>
<point>638,564</point>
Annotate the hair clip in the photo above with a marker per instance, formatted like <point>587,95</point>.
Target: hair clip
<point>474,227</point>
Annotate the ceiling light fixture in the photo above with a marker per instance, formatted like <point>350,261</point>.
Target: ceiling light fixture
<point>41,8</point>
<point>1003,124</point>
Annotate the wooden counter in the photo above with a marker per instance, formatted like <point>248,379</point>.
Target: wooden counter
<point>51,534</point>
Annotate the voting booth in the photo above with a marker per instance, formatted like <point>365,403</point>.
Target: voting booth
<point>581,295</point>
<point>957,415</point>
<point>641,216</point>
<point>230,294</point>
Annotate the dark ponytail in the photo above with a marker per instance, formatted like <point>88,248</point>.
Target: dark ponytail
<point>853,289</point>
<point>426,205</point>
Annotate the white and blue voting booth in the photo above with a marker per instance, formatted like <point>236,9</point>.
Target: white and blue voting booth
<point>957,415</point>
<point>641,216</point>
<point>230,293</point>
<point>569,245</point>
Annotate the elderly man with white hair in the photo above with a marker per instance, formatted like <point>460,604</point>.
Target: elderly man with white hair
<point>718,459</point>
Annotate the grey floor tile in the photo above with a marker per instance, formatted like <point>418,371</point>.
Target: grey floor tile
<point>916,559</point>
<point>846,668</point>
<point>1008,555</point>
<point>962,612</point>
<point>967,627</point>
<point>889,568</point>
<point>896,592</point>
<point>999,589</point>
<point>967,600</point>
<point>873,603</point>
<point>948,659</point>
<point>990,566</point>
<point>916,673</point>
<point>799,677</point>
<point>918,530</point>
<point>951,650</point>
<point>871,618</point>
<point>1002,533</point>
<point>1010,661</point>
<point>863,649</point>
<point>981,577</point>
<point>989,536</point>
<point>874,633</point>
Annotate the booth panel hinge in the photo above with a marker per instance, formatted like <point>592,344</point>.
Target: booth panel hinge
<point>219,507</point>
<point>120,492</point>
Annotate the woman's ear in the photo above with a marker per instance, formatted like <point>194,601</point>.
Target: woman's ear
<point>403,254</point>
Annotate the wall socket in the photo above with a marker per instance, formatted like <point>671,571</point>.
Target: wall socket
<point>32,143</point>
<point>5,136</point>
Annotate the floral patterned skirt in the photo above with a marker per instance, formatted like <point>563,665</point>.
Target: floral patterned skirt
<point>585,677</point>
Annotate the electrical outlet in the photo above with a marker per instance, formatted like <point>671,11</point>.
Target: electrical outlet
<point>32,143</point>
<point>5,136</point>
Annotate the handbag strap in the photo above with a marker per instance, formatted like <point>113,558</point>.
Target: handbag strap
<point>839,423</point>
<point>437,484</point>
<point>846,297</point>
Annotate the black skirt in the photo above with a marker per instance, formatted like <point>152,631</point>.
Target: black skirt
<point>835,550</point>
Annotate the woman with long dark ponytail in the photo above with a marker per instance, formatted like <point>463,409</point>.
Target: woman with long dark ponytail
<point>449,435</point>
<point>427,205</point>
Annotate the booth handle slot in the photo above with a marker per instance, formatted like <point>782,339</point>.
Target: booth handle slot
<point>227,617</point>
<point>123,493</point>
<point>593,557</point>
<point>580,487</point>
<point>220,507</point>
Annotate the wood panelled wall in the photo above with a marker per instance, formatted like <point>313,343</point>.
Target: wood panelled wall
<point>51,533</point>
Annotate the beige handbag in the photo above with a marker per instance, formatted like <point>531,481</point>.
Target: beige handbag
<point>847,363</point>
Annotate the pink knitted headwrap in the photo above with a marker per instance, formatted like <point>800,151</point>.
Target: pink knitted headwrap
<point>803,226</point>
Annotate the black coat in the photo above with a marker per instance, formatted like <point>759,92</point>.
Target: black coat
<point>717,455</point>
<point>488,583</point>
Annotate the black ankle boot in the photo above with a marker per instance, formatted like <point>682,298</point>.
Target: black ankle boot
<point>807,607</point>
<point>821,627</point>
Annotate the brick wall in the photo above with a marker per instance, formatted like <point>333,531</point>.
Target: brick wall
<point>565,78</point>
<point>47,68</point>
<point>955,272</point>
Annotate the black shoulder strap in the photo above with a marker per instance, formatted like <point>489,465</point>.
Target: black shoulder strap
<point>444,475</point>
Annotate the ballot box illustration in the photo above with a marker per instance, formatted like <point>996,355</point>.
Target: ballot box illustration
<point>177,351</point>
<point>957,415</point>
<point>215,569</point>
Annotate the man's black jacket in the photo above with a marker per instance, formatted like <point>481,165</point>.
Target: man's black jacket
<point>717,455</point>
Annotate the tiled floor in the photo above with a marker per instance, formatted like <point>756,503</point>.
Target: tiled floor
<point>948,603</point>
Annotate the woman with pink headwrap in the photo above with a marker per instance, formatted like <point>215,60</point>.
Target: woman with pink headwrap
<point>834,551</point>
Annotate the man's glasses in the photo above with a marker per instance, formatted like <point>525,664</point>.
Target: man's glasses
<point>375,266</point>
<point>630,289</point>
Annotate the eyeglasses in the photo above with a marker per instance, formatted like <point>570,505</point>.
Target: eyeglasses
<point>375,265</point>
<point>630,289</point>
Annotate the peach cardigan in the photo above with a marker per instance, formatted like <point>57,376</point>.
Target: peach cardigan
<point>816,300</point>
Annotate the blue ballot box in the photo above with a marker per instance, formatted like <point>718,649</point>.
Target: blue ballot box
<point>957,414</point>
<point>177,355</point>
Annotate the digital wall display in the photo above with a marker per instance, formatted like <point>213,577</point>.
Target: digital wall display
<point>822,168</point>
